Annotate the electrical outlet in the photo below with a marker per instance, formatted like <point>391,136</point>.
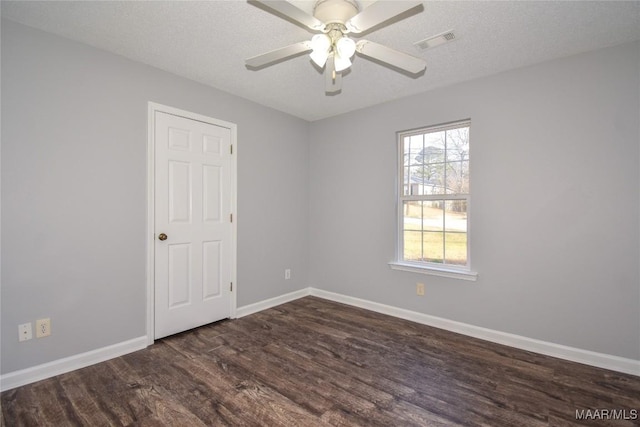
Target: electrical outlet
<point>43,328</point>
<point>24,332</point>
<point>420,289</point>
<point>287,274</point>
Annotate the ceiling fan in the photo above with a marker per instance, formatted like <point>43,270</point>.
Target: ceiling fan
<point>330,47</point>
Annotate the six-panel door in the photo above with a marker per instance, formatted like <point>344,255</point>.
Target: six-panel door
<point>192,207</point>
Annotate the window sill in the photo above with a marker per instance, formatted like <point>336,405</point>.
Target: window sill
<point>442,272</point>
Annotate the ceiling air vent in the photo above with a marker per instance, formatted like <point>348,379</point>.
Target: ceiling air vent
<point>447,36</point>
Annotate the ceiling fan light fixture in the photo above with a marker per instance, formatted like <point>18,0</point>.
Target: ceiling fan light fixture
<point>320,42</point>
<point>319,57</point>
<point>345,47</point>
<point>321,45</point>
<point>332,50</point>
<point>342,63</point>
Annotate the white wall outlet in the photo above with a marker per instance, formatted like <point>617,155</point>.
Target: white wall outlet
<point>25,332</point>
<point>43,328</point>
<point>420,289</point>
<point>287,274</point>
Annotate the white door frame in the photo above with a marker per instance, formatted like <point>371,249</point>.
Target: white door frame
<point>150,237</point>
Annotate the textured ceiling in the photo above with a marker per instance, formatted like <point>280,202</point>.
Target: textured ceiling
<point>208,41</point>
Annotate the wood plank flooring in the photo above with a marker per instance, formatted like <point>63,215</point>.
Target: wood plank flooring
<point>313,362</point>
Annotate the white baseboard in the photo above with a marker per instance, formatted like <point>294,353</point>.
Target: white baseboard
<point>600,360</point>
<point>271,302</point>
<point>71,363</point>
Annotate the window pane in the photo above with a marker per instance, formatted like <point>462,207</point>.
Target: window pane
<point>423,231</point>
<point>412,246</point>
<point>455,236</point>
<point>433,215</point>
<point>458,177</point>
<point>433,238</point>
<point>413,146</point>
<point>433,177</point>
<point>405,161</point>
<point>433,247</point>
<point>434,148</point>
<point>458,144</point>
<point>416,180</point>
<point>412,216</point>
<point>455,215</point>
<point>456,248</point>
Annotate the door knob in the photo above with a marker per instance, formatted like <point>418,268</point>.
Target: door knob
<point>162,236</point>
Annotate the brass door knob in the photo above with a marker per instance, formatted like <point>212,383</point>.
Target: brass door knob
<point>162,236</point>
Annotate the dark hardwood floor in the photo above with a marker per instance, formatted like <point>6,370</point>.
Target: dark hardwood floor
<point>313,362</point>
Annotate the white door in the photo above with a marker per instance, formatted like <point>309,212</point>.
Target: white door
<point>193,228</point>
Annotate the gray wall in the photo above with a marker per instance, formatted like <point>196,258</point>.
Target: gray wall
<point>74,140</point>
<point>554,211</point>
<point>555,229</point>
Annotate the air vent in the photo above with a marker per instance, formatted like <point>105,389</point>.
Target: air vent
<point>446,37</point>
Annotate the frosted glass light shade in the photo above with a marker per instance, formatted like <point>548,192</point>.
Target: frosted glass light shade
<point>320,43</point>
<point>346,47</point>
<point>319,57</point>
<point>342,63</point>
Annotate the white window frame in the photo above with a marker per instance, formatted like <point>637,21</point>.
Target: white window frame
<point>423,267</point>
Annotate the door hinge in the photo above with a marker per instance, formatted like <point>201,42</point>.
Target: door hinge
<point>231,217</point>
<point>231,288</point>
<point>231,148</point>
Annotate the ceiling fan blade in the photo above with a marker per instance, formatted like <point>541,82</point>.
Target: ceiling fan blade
<point>333,79</point>
<point>390,56</point>
<point>278,54</point>
<point>292,12</point>
<point>377,13</point>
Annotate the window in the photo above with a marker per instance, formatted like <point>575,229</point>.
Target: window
<point>433,199</point>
